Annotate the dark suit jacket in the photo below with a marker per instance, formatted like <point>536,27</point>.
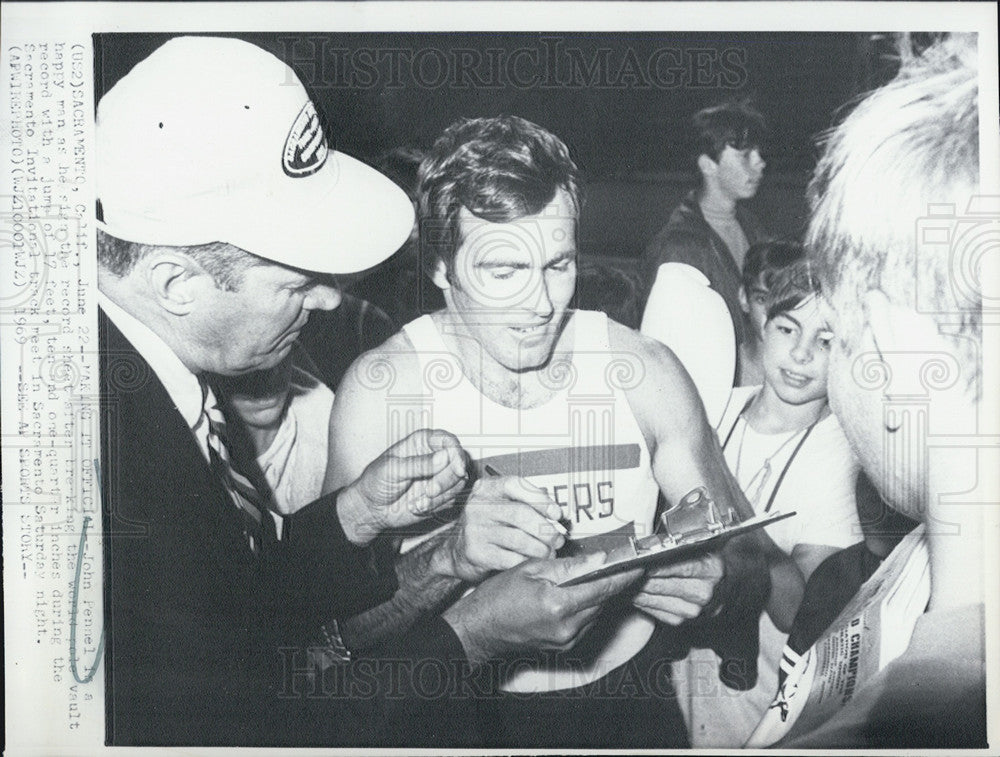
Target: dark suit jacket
<point>205,643</point>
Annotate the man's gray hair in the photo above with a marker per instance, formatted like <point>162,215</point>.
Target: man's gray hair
<point>907,147</point>
<point>225,263</point>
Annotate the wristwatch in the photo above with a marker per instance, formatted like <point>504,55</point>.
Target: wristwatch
<point>335,650</point>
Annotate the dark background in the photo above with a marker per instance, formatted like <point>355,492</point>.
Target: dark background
<point>621,102</point>
<point>618,120</point>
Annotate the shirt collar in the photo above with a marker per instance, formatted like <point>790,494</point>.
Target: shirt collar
<point>183,386</point>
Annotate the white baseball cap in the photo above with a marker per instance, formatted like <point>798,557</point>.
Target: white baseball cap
<point>215,140</point>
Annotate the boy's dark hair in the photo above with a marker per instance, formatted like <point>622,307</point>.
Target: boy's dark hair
<point>790,287</point>
<point>735,125</point>
<point>765,259</point>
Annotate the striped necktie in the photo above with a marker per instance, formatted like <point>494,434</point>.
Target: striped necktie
<point>249,501</point>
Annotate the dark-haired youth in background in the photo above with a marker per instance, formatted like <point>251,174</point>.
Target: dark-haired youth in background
<point>709,229</point>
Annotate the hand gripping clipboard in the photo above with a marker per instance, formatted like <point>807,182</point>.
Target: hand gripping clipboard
<point>692,526</point>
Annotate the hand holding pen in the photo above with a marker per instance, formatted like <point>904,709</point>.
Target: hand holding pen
<point>491,471</point>
<point>505,521</point>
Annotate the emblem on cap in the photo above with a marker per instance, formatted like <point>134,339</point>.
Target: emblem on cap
<point>305,147</point>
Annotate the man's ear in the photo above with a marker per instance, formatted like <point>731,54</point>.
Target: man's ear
<point>744,302</point>
<point>175,280</point>
<point>440,275</point>
<point>706,165</point>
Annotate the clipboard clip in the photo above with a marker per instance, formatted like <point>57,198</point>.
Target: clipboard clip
<point>695,516</point>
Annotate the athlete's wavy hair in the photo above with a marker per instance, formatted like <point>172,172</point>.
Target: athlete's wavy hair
<point>499,169</point>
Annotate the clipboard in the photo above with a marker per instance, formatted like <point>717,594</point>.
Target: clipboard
<point>662,549</point>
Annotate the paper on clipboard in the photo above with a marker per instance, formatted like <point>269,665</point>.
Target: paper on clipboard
<point>660,549</point>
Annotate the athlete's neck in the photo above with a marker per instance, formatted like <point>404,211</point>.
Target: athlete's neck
<point>519,390</point>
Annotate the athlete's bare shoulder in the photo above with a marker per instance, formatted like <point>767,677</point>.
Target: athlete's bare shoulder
<point>359,430</point>
<point>392,367</point>
<point>663,398</point>
<point>659,362</point>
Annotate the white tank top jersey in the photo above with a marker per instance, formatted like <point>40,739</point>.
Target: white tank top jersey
<point>583,446</point>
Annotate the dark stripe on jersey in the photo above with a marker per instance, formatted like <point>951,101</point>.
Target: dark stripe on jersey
<point>546,462</point>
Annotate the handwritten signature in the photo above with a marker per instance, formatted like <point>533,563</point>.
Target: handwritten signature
<point>76,599</point>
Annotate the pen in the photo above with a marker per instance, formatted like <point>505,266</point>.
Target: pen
<point>491,471</point>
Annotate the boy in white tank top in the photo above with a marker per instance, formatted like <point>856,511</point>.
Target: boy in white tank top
<point>575,424</point>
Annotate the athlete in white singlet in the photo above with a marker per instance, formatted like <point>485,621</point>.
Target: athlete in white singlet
<point>572,418</point>
<point>583,447</point>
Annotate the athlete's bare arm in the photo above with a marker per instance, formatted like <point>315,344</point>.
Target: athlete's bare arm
<point>505,520</point>
<point>360,428</point>
<point>686,454</point>
<point>364,421</point>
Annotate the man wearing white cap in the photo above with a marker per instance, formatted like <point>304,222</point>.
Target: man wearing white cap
<point>220,203</point>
